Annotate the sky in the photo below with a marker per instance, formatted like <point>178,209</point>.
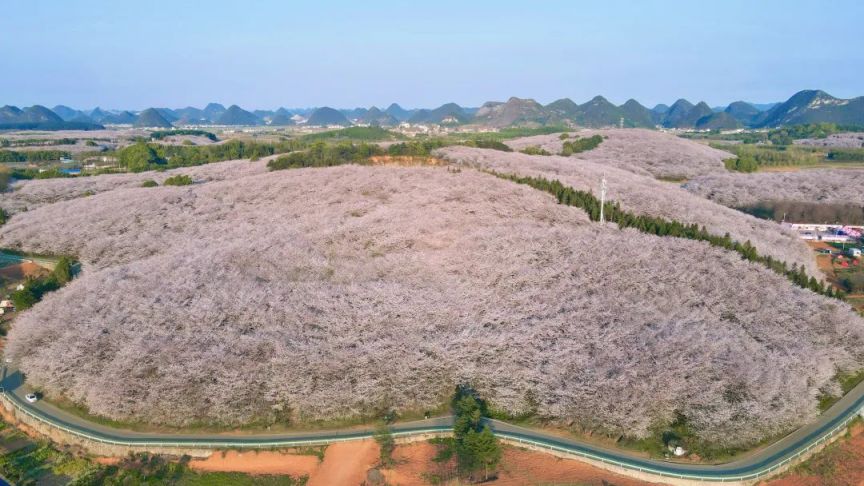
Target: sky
<point>266,54</point>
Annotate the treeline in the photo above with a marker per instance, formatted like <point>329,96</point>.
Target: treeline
<point>142,156</point>
<point>751,157</point>
<point>34,288</point>
<point>851,155</point>
<point>32,155</point>
<point>28,174</point>
<point>664,227</point>
<point>838,213</point>
<point>368,134</point>
<point>578,145</point>
<point>320,154</point>
<point>518,132</point>
<point>29,142</point>
<point>785,135</point>
<point>160,134</point>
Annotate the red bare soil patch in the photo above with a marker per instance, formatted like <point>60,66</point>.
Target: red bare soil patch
<point>841,464</point>
<point>518,467</point>
<point>346,463</point>
<point>259,462</point>
<point>107,461</point>
<point>20,271</point>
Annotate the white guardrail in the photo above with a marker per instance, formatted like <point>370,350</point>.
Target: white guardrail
<point>718,476</point>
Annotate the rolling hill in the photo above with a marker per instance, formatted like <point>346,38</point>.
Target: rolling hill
<point>398,282</point>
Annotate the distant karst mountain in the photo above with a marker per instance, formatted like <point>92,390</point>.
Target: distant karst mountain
<point>814,106</point>
<point>515,112</point>
<point>67,113</point>
<point>237,116</point>
<point>192,116</point>
<point>168,114</point>
<point>97,114</point>
<point>213,111</point>
<point>676,113</point>
<point>561,110</point>
<point>122,118</point>
<point>375,116</point>
<point>717,121</point>
<point>151,118</point>
<point>327,116</point>
<point>636,115</point>
<point>743,112</point>
<point>38,117</point>
<point>355,113</point>
<point>598,112</point>
<point>398,112</point>
<point>281,120</point>
<point>809,106</point>
<point>447,113</point>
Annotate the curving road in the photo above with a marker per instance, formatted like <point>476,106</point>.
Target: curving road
<point>754,465</point>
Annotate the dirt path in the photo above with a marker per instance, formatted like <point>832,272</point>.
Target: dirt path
<point>346,464</point>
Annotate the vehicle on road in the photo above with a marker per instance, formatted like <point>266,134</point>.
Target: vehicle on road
<point>31,397</point>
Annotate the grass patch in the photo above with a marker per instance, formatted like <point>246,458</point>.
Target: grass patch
<point>317,451</point>
<point>847,381</point>
<point>301,425</point>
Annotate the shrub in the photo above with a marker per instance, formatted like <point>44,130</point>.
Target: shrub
<point>178,180</point>
<point>386,444</point>
<point>534,150</point>
<point>149,183</point>
<point>581,145</point>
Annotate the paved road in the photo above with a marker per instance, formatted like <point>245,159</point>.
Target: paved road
<point>748,466</point>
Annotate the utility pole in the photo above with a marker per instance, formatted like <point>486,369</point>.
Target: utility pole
<point>621,123</point>
<point>602,199</point>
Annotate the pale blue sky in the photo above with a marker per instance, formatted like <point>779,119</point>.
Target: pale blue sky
<point>266,54</point>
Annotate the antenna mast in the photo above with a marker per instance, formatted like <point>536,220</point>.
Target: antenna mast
<point>602,199</point>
